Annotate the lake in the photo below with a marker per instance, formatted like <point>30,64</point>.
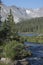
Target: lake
<point>26,34</point>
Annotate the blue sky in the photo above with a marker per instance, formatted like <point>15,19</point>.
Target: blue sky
<point>25,3</point>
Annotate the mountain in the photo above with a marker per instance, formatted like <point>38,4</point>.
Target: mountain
<point>20,13</point>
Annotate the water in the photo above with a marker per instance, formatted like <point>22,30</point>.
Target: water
<point>22,34</point>
<point>37,51</point>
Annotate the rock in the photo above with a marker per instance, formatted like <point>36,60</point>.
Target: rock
<point>3,59</point>
<point>21,62</point>
<point>6,60</point>
<point>25,63</point>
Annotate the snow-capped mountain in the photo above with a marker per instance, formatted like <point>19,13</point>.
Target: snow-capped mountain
<point>20,13</point>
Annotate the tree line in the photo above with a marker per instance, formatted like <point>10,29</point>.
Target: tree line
<point>30,25</point>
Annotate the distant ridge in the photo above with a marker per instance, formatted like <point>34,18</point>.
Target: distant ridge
<point>20,13</point>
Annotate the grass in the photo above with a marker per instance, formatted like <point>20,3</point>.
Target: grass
<point>37,39</point>
<point>1,63</point>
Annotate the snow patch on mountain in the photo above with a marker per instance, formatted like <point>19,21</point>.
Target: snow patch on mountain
<point>28,11</point>
<point>36,9</point>
<point>16,19</point>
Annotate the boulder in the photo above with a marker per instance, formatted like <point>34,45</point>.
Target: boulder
<point>6,60</point>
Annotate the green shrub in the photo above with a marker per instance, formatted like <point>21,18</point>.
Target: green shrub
<point>10,49</point>
<point>15,50</point>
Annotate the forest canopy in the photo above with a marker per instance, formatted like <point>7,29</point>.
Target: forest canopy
<point>30,25</point>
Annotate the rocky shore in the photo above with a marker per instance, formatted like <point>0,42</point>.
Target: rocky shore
<point>21,62</point>
<point>16,62</point>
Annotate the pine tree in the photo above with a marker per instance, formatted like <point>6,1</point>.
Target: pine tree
<point>9,26</point>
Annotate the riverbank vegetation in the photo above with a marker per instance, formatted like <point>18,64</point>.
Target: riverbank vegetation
<point>36,39</point>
